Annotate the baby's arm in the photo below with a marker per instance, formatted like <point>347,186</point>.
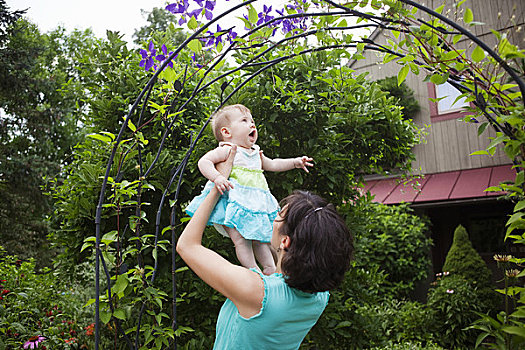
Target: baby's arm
<point>280,164</point>
<point>207,167</point>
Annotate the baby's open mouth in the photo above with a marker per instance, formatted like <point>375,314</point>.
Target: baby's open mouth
<point>252,134</point>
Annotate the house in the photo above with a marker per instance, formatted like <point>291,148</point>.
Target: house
<point>450,190</point>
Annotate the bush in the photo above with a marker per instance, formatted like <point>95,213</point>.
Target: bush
<point>453,304</point>
<point>394,239</point>
<point>464,260</point>
<point>409,346</point>
<point>403,95</point>
<point>38,304</point>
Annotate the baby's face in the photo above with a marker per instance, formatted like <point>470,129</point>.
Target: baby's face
<point>242,129</point>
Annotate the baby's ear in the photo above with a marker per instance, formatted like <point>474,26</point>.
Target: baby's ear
<point>225,132</point>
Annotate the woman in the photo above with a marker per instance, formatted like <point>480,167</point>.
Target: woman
<point>313,250</point>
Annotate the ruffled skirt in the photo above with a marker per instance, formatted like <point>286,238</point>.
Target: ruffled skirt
<point>249,206</point>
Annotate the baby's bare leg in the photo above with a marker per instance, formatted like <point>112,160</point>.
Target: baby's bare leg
<point>243,248</point>
<point>264,256</point>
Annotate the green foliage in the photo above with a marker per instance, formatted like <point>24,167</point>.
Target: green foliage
<point>39,126</point>
<point>39,303</point>
<point>395,240</point>
<point>161,24</point>
<point>467,290</point>
<point>314,106</point>
<point>409,346</point>
<point>453,305</point>
<point>506,330</point>
<point>464,260</point>
<point>403,95</point>
<point>357,317</point>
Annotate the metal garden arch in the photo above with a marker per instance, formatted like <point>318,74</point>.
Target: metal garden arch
<point>384,21</point>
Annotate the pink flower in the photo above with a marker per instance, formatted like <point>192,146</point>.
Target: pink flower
<point>450,291</point>
<point>33,342</point>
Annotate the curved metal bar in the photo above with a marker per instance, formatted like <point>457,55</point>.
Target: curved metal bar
<point>475,39</point>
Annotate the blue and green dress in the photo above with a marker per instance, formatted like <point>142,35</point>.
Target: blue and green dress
<point>249,206</point>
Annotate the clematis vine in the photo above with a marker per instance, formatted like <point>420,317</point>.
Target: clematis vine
<point>264,16</point>
<point>162,57</point>
<point>206,7</point>
<point>147,56</point>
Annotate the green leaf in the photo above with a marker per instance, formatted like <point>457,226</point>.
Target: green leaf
<point>478,54</point>
<point>252,14</point>
<point>130,124</point>
<point>195,45</point>
<point>120,314</point>
<point>480,153</point>
<point>104,316</point>
<point>99,137</point>
<point>121,284</point>
<point>482,128</point>
<point>192,23</point>
<point>401,76</point>
<point>468,16</point>
<point>519,331</point>
<point>519,206</point>
<point>86,246</point>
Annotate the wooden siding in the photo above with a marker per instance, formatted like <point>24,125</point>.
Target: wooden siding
<point>449,143</point>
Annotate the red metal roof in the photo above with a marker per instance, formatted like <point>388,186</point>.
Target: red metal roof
<point>452,185</point>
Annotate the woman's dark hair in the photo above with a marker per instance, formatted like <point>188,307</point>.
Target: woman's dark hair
<point>321,245</point>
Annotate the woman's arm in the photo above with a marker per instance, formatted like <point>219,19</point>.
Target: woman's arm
<point>207,167</point>
<point>243,287</point>
<point>280,164</point>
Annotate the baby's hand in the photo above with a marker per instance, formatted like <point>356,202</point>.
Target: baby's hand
<point>303,162</point>
<point>222,184</point>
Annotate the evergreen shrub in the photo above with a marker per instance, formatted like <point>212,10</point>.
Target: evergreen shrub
<point>463,289</point>
<point>464,260</point>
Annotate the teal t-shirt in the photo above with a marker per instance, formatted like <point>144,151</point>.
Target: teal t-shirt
<point>286,315</point>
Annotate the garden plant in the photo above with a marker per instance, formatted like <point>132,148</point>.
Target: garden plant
<point>121,195</point>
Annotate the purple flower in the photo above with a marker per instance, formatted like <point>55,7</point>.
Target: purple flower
<point>178,7</point>
<point>264,15</point>
<point>207,7</point>
<point>231,35</point>
<point>147,57</point>
<point>162,57</point>
<point>32,343</point>
<point>288,25</point>
<point>193,58</point>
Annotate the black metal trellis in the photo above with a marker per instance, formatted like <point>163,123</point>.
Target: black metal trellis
<point>144,95</point>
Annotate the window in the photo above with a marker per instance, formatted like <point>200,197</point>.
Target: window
<point>445,108</point>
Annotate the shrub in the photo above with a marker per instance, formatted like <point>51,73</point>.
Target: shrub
<point>453,304</point>
<point>394,239</point>
<point>403,95</point>
<point>409,346</point>
<point>38,304</point>
<point>464,260</point>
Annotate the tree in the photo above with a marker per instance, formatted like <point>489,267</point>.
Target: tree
<point>7,19</point>
<point>40,126</point>
<point>159,21</point>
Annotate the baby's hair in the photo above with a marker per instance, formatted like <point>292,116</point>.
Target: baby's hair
<point>221,118</point>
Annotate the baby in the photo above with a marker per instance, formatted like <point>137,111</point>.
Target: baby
<point>246,209</point>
